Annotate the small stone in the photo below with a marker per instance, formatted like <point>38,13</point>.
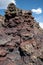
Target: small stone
<point>3,52</point>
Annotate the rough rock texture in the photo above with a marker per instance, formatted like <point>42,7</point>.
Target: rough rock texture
<point>21,38</point>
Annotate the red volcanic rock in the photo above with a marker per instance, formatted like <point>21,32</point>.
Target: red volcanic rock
<point>21,38</point>
<point>10,63</point>
<point>2,59</point>
<point>3,52</point>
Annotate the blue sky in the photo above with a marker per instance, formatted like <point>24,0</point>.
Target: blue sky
<point>36,6</point>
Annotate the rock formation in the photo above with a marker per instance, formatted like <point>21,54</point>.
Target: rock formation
<point>21,38</point>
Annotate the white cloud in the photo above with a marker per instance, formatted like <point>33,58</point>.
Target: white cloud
<point>37,11</point>
<point>38,19</point>
<point>41,24</point>
<point>4,3</point>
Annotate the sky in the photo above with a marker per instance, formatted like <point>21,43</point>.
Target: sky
<point>36,6</point>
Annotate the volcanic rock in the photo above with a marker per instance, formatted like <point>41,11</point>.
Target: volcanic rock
<point>21,38</point>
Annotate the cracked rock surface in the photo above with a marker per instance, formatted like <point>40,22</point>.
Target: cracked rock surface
<point>21,38</point>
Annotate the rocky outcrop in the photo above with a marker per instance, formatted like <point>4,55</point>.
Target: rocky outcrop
<point>21,38</point>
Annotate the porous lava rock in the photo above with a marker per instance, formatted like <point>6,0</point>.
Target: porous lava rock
<point>21,38</point>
